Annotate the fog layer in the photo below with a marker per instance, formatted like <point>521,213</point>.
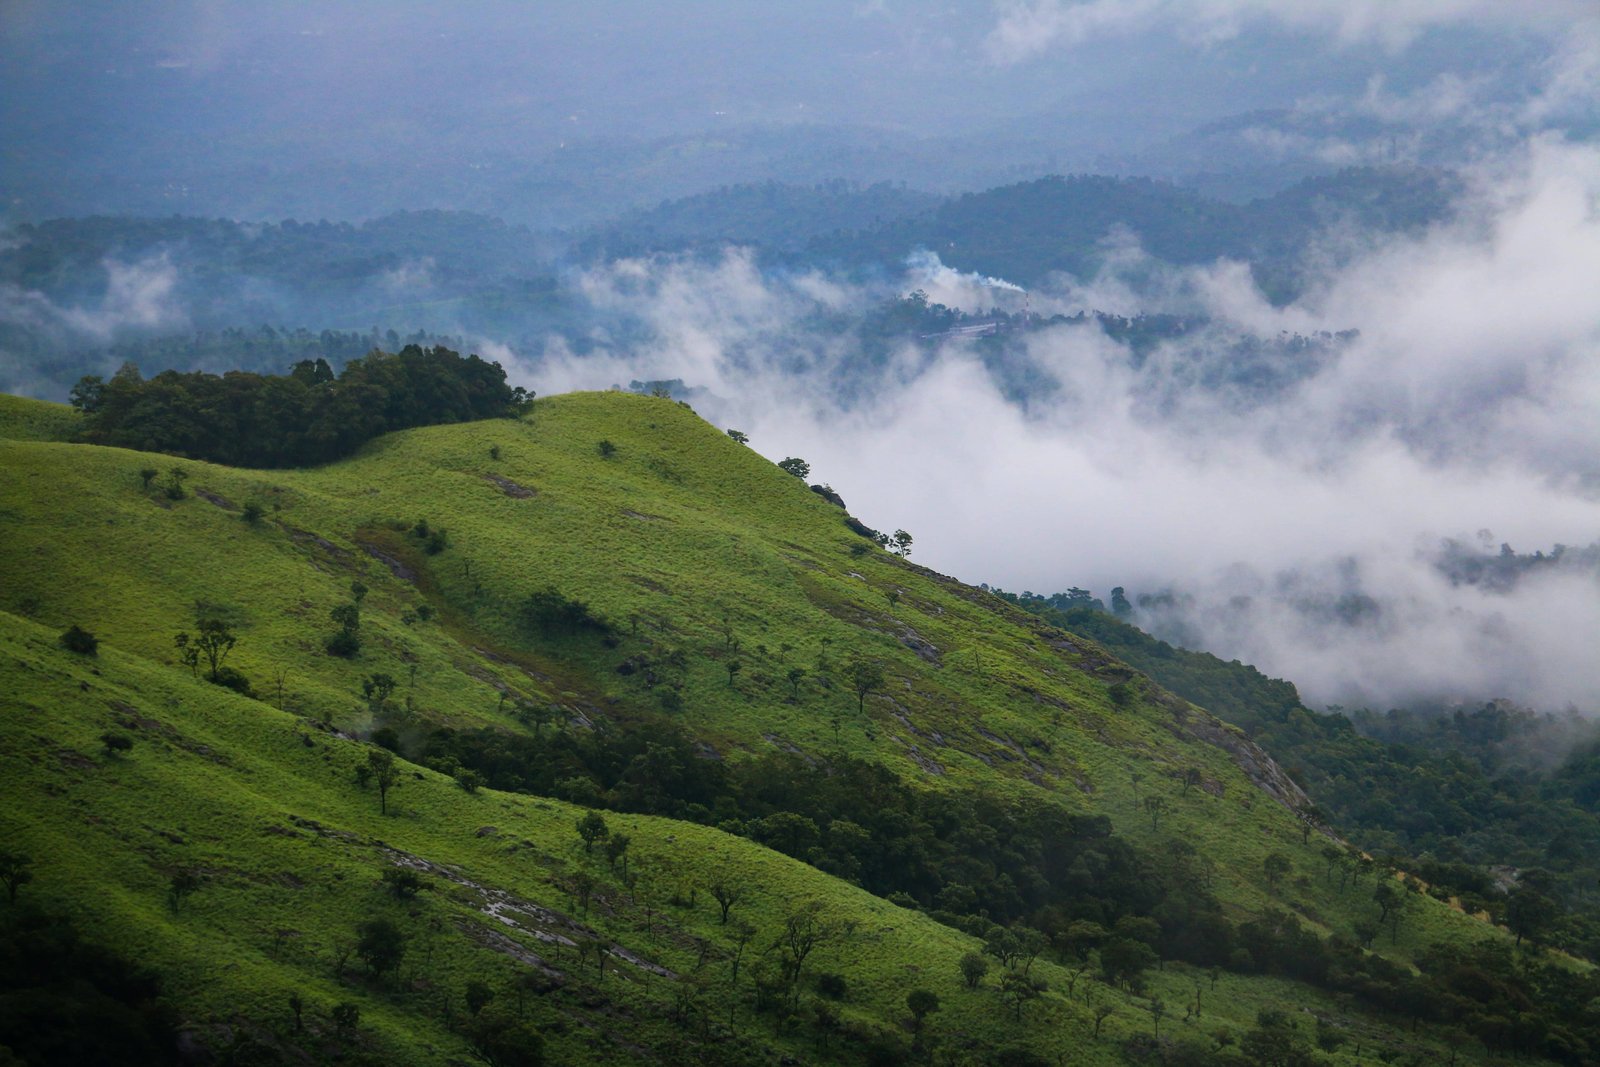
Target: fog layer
<point>1469,401</point>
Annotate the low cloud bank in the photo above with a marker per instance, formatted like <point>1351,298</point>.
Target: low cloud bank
<point>1469,400</point>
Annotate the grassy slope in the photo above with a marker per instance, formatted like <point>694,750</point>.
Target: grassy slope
<point>682,529</point>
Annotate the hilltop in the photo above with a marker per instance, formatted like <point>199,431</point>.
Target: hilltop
<point>607,613</point>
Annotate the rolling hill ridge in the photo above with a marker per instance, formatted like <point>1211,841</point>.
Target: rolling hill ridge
<point>593,736</point>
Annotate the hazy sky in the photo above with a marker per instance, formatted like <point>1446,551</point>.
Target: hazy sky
<point>270,108</point>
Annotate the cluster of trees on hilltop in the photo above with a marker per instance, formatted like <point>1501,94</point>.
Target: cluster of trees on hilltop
<point>308,416</point>
<point>265,348</point>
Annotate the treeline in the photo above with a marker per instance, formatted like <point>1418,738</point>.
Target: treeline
<point>1500,572</point>
<point>1028,231</point>
<point>308,416</point>
<point>1028,877</point>
<point>772,215</point>
<point>265,347</point>
<point>1447,795</point>
<point>966,856</point>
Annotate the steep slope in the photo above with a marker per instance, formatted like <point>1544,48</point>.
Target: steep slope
<point>692,554</point>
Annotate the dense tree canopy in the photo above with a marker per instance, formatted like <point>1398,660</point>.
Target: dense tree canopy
<point>306,417</point>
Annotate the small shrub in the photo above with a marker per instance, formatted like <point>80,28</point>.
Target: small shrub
<point>174,488</point>
<point>832,986</point>
<point>385,737</point>
<point>554,613</point>
<point>344,644</point>
<point>148,475</point>
<point>116,744</point>
<point>76,639</point>
<point>253,513</point>
<point>494,452</point>
<point>230,678</point>
<point>182,886</point>
<point>403,882</point>
<point>470,780</point>
<point>606,449</point>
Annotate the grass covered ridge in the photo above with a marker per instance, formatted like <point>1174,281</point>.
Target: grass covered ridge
<point>697,553</point>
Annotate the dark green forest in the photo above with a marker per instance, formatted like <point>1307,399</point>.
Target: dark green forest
<point>306,417</point>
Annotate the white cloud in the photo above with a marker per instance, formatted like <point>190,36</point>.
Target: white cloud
<point>138,296</point>
<point>1471,399</point>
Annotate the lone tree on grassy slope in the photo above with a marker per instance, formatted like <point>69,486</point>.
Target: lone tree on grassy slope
<point>922,1004</point>
<point>384,773</point>
<point>377,688</point>
<point>592,827</point>
<point>973,968</point>
<point>726,894</point>
<point>381,946</point>
<point>795,466</point>
<point>866,676</point>
<point>212,644</point>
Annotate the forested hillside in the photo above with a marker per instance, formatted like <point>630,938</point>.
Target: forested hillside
<point>1025,232</point>
<point>1493,805</point>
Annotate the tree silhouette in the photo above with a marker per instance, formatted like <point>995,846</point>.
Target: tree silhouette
<point>385,774</point>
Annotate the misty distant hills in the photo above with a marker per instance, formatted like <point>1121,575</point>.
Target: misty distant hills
<point>777,215</point>
<point>1027,231</point>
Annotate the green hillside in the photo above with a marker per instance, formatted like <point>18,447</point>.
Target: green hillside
<point>610,602</point>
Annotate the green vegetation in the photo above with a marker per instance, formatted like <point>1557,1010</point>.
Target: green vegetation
<point>1480,803</point>
<point>769,865</point>
<point>308,416</point>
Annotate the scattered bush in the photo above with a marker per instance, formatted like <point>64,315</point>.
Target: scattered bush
<point>76,639</point>
<point>552,612</point>
<point>402,882</point>
<point>346,1016</point>
<point>230,678</point>
<point>344,644</point>
<point>175,478</point>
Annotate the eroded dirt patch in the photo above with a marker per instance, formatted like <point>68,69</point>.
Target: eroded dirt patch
<point>511,488</point>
